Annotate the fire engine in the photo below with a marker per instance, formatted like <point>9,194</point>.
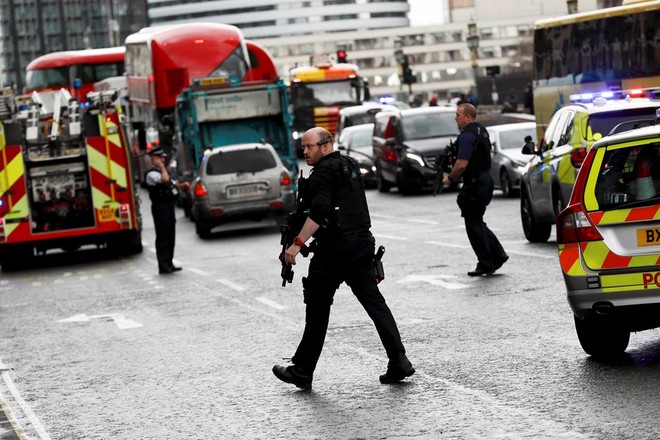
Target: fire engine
<point>65,176</point>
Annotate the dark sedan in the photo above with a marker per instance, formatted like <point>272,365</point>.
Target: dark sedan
<point>355,142</point>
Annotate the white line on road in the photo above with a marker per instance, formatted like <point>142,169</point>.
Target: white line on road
<point>231,285</point>
<point>390,237</point>
<point>439,243</point>
<point>22,403</point>
<point>525,254</point>
<point>270,303</point>
<point>425,222</point>
<point>198,271</point>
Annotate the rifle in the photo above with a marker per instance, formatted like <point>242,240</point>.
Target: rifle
<point>444,163</point>
<point>290,230</point>
<point>294,223</point>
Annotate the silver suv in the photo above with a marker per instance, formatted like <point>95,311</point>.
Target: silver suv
<point>240,182</point>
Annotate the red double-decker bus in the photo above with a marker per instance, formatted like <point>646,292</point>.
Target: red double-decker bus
<point>65,69</point>
<point>161,61</point>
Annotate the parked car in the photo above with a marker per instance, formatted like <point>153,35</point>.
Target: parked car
<point>609,241</point>
<point>548,179</point>
<point>239,182</point>
<point>406,143</point>
<point>507,160</point>
<point>355,141</point>
<point>360,114</point>
<point>492,119</point>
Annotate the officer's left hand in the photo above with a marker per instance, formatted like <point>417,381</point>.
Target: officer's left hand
<point>445,180</point>
<point>290,254</point>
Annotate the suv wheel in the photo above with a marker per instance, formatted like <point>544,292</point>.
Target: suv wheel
<point>505,184</point>
<point>535,232</point>
<point>601,337</point>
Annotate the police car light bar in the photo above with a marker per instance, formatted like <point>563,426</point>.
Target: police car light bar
<point>597,98</point>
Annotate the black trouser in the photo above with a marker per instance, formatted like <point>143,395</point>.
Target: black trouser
<point>165,225</point>
<point>348,261</point>
<point>473,198</point>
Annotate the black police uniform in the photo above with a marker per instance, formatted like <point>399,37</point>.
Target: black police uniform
<point>344,251</point>
<point>163,200</point>
<point>475,194</point>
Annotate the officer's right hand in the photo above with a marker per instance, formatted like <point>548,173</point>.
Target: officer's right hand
<point>290,254</point>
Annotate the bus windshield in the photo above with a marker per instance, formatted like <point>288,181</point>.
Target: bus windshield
<point>47,78</point>
<point>323,94</point>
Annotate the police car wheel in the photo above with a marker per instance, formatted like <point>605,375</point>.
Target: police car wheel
<point>382,184</point>
<point>601,337</point>
<point>535,232</point>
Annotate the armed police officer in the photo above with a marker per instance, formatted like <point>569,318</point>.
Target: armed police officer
<point>473,164</point>
<point>163,193</point>
<point>338,219</point>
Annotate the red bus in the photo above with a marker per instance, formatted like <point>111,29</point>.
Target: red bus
<point>163,60</point>
<point>58,70</point>
<point>262,66</point>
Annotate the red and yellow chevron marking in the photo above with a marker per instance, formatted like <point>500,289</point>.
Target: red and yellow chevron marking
<point>108,161</point>
<point>643,213</point>
<point>12,183</point>
<point>598,256</point>
<point>569,259</point>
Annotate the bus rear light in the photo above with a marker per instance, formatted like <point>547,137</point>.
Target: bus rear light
<point>577,156</point>
<point>200,189</point>
<point>285,179</point>
<point>573,226</point>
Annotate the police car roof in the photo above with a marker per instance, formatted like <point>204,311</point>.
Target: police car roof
<point>650,132</point>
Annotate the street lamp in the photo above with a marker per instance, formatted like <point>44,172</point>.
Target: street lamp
<point>473,45</point>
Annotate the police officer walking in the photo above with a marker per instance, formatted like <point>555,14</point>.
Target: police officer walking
<point>338,218</point>
<point>473,164</point>
<point>163,193</point>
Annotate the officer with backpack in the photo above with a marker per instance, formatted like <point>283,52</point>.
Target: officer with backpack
<point>473,165</point>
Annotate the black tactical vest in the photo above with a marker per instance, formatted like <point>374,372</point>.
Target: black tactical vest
<point>161,192</point>
<point>480,160</point>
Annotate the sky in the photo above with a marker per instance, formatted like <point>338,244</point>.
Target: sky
<point>425,12</point>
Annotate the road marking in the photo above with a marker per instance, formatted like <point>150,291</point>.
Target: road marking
<point>390,237</point>
<point>4,282</point>
<point>439,243</point>
<point>270,303</point>
<point>435,279</point>
<point>121,322</point>
<point>198,272</point>
<point>22,403</point>
<point>231,285</point>
<point>425,222</point>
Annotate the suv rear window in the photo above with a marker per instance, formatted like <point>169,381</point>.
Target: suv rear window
<point>629,176</point>
<point>618,121</point>
<point>429,126</point>
<point>229,162</point>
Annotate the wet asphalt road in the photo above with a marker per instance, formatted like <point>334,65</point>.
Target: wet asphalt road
<point>104,348</point>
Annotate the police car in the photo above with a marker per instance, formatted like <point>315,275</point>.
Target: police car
<point>548,180</point>
<point>609,241</point>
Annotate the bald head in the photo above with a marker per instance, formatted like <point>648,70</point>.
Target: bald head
<point>316,143</point>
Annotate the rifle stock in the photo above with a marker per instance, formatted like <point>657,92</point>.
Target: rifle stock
<point>444,163</point>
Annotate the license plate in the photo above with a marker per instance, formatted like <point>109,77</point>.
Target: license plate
<point>240,191</point>
<point>106,214</point>
<point>648,236</point>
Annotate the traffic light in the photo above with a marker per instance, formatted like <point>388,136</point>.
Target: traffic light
<point>341,56</point>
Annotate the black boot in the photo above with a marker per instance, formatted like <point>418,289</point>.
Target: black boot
<point>294,375</point>
<point>398,368</point>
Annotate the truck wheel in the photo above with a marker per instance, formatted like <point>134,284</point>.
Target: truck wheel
<point>535,232</point>
<point>601,337</point>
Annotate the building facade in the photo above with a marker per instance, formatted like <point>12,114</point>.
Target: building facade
<point>31,28</point>
<point>284,18</point>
